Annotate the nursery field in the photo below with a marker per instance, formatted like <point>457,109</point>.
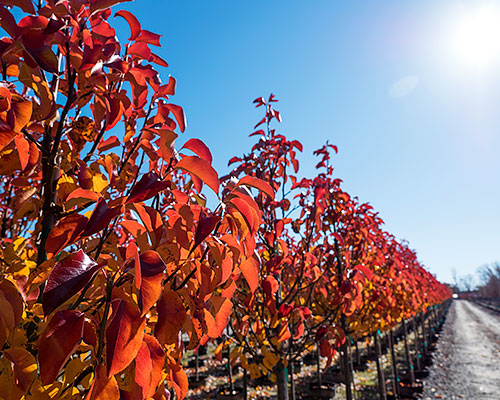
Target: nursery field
<point>130,268</point>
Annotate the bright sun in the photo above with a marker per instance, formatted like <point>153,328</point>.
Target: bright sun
<point>476,37</point>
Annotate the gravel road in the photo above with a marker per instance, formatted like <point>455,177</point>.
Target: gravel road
<point>467,359</point>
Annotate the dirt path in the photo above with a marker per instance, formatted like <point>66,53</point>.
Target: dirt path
<point>467,359</point>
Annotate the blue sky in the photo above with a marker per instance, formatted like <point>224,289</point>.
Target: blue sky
<point>414,115</point>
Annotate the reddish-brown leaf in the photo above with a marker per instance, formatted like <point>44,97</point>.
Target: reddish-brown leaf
<point>66,232</point>
<point>171,317</point>
<point>200,148</point>
<point>67,278</point>
<point>152,268</point>
<point>206,225</point>
<point>148,186</point>
<point>57,342</point>
<point>101,217</point>
<point>124,336</point>
<point>201,169</point>
<point>25,5</point>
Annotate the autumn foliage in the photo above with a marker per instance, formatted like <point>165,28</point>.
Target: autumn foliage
<point>109,253</point>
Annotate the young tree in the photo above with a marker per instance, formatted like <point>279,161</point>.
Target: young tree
<point>94,301</point>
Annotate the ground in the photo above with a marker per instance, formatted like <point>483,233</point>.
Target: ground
<point>467,358</point>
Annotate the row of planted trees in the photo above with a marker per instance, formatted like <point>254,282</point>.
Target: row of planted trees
<point>109,252</point>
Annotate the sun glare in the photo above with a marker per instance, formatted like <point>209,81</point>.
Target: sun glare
<point>476,37</point>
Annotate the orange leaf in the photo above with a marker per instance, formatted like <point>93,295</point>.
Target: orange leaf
<point>178,380</point>
<point>57,342</point>
<point>179,115</point>
<point>149,366</point>
<point>103,388</point>
<point>202,169</point>
<point>23,150</point>
<point>250,270</point>
<point>171,317</point>
<point>124,336</point>
<point>25,370</point>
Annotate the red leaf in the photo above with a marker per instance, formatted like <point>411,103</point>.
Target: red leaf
<point>171,317</point>
<point>133,22</point>
<point>258,184</point>
<point>200,148</point>
<point>66,232</point>
<point>103,388</point>
<point>152,268</point>
<point>67,278</point>
<point>206,225</point>
<point>365,271</point>
<point>155,58</point>
<point>140,49</point>
<point>179,115</point>
<point>99,5</point>
<point>168,89</point>
<point>149,37</point>
<point>101,217</point>
<point>285,310</point>
<point>57,342</point>
<point>124,336</point>
<point>250,270</point>
<point>148,186</point>
<point>201,169</point>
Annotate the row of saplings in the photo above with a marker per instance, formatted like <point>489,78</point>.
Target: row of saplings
<point>401,380</point>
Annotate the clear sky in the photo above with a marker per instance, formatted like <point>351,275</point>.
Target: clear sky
<point>408,90</point>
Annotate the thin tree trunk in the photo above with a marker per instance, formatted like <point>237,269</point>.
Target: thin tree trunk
<point>282,376</point>
<point>395,383</point>
<point>197,365</point>
<point>409,363</point>
<point>358,355</point>
<point>292,381</point>
<point>245,384</point>
<point>318,364</point>
<point>346,364</point>
<point>231,380</point>
<point>380,370</point>
<point>417,345</point>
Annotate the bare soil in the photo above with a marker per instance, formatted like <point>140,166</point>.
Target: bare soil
<point>467,358</point>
